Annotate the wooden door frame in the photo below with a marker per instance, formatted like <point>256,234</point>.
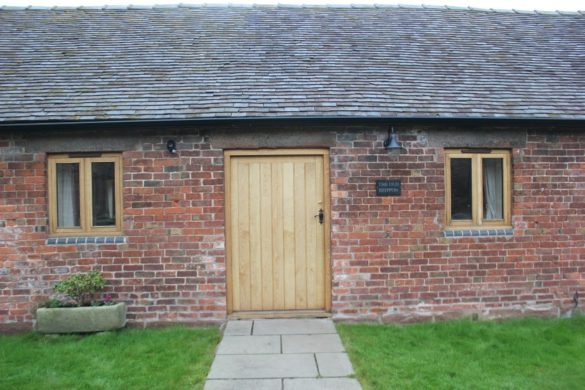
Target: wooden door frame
<point>324,153</point>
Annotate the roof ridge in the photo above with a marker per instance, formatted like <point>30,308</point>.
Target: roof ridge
<point>316,5</point>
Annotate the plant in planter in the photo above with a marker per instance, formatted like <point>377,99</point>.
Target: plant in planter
<point>81,287</point>
<point>80,313</point>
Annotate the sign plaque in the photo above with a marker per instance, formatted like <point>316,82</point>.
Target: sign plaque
<point>387,187</point>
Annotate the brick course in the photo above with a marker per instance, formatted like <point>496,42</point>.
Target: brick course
<point>390,259</point>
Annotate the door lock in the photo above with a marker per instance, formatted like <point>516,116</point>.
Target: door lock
<point>321,215</point>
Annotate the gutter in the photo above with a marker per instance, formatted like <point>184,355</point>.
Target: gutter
<point>58,124</point>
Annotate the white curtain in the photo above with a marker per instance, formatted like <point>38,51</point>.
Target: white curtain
<point>67,195</point>
<point>492,188</point>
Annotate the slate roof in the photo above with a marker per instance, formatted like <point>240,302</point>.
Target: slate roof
<point>248,62</point>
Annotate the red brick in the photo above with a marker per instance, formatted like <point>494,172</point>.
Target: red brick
<point>389,258</point>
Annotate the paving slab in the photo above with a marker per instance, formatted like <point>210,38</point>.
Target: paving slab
<point>322,384</point>
<point>238,328</point>
<point>244,384</point>
<point>311,343</point>
<point>281,354</point>
<point>294,326</point>
<point>333,364</point>
<point>263,366</point>
<point>238,345</point>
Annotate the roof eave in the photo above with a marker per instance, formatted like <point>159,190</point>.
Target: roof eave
<point>60,124</point>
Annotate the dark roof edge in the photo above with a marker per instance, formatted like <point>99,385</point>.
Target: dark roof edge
<point>49,125</point>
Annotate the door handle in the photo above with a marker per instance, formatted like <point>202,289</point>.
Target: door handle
<point>321,215</point>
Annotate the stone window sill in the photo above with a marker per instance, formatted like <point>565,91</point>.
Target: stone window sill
<point>478,232</point>
<point>86,240</point>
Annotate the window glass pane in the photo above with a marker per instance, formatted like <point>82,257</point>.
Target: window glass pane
<point>103,194</point>
<point>493,191</point>
<point>68,195</point>
<point>460,189</point>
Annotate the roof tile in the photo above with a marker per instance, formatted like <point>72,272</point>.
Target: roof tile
<point>200,61</point>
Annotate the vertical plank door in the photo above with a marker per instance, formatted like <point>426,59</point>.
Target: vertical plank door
<point>276,243</point>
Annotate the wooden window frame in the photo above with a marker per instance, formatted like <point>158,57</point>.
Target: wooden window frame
<point>476,157</point>
<point>85,194</point>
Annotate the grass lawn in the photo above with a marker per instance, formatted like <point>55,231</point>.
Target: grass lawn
<point>518,354</point>
<point>169,358</point>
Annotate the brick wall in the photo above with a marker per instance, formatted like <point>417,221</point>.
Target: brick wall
<point>392,263</point>
<point>23,227</point>
<point>171,268</point>
<point>390,259</point>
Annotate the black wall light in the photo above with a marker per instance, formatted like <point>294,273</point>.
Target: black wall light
<point>391,143</point>
<point>171,146</point>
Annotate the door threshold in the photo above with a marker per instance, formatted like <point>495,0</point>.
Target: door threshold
<point>247,315</point>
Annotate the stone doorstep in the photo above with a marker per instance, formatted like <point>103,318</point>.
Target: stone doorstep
<point>263,366</point>
<point>293,326</point>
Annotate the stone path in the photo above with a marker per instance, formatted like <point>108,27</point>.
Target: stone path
<point>281,354</point>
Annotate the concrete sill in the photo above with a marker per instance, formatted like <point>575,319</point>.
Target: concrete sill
<point>478,232</point>
<point>86,240</point>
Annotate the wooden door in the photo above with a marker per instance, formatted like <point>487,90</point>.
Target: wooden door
<point>276,246</point>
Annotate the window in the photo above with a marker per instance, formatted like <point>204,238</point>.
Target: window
<point>477,188</point>
<point>85,194</point>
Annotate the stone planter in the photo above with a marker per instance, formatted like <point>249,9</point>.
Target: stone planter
<point>81,319</point>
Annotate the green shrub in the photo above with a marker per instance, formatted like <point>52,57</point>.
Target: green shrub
<point>80,287</point>
<point>54,303</point>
